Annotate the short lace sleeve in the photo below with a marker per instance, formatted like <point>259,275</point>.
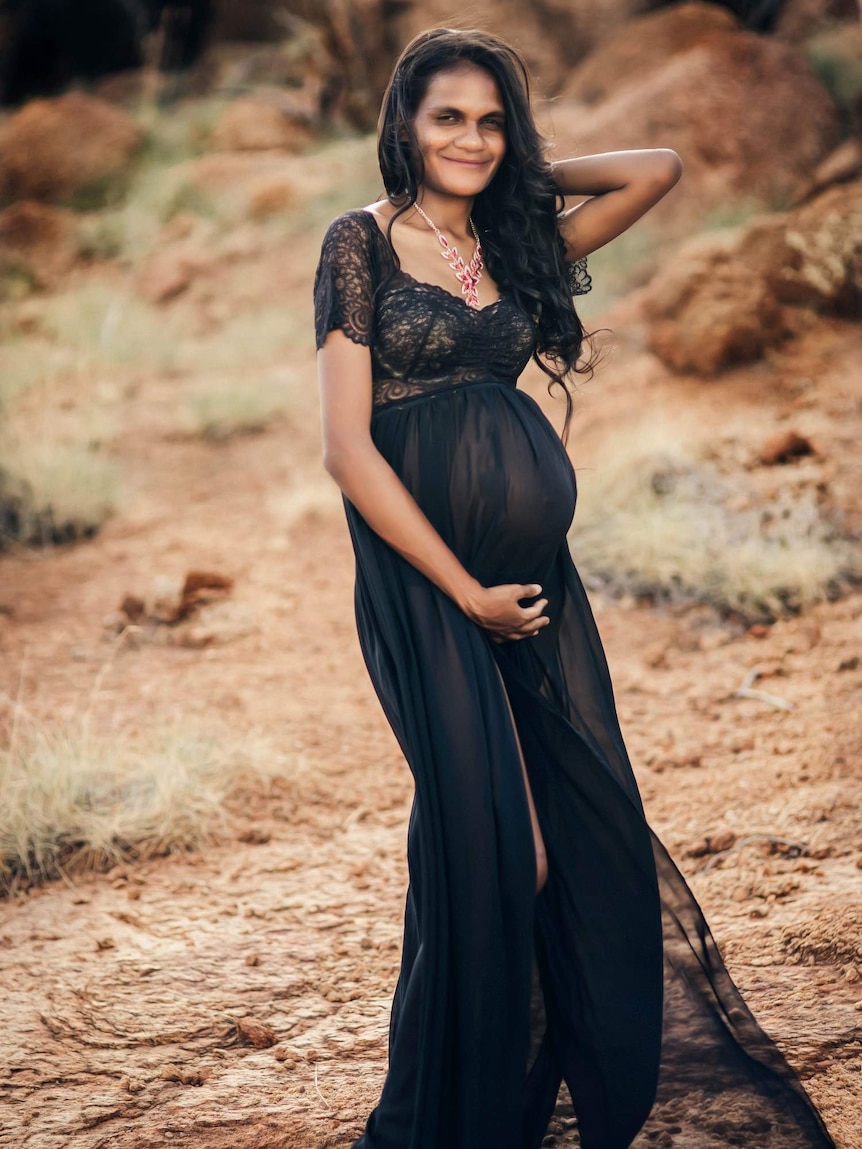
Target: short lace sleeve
<point>579,278</point>
<point>345,280</point>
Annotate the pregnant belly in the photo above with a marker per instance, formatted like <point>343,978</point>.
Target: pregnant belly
<point>489,471</point>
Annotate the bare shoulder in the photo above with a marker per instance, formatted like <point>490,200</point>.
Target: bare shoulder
<point>382,208</point>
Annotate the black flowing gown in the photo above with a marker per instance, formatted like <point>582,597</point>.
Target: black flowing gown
<point>609,978</point>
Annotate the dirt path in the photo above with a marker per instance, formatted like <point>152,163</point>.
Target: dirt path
<point>240,997</point>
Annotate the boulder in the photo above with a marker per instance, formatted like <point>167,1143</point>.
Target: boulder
<point>644,45</point>
<point>746,114</point>
<point>272,195</point>
<point>52,149</point>
<point>257,123</point>
<point>165,274</point>
<point>820,265</point>
<point>708,312</point>
<point>724,299</point>
<point>38,240</point>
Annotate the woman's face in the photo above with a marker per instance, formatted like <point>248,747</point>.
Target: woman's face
<point>460,126</point>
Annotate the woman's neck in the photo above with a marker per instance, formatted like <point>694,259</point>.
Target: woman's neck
<point>450,213</point>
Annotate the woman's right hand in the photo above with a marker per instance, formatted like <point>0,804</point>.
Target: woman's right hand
<point>498,610</point>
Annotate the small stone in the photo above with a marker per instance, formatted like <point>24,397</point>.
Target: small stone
<point>656,655</point>
<point>784,447</point>
<point>256,1033</point>
<point>759,630</point>
<point>254,836</point>
<point>821,852</point>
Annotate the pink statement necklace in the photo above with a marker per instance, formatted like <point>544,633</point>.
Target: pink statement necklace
<point>467,274</point>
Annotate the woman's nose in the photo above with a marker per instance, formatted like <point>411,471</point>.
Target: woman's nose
<point>470,137</point>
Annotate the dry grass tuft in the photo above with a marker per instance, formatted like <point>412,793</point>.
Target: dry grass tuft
<point>658,522</point>
<point>27,362</point>
<point>310,501</point>
<point>248,338</point>
<point>54,492</point>
<point>131,231</point>
<point>71,801</point>
<point>103,326</point>
<point>157,189</point>
<point>221,409</point>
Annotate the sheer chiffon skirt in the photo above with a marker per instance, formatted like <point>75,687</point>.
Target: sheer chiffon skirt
<point>609,978</point>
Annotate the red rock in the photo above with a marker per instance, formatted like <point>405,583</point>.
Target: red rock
<point>40,240</point>
<point>51,149</point>
<point>165,275</point>
<point>712,844</point>
<point>642,46</point>
<point>784,447</point>
<point>254,124</point>
<point>133,608</point>
<point>820,261</point>
<point>746,113</point>
<point>709,312</point>
<point>256,1033</point>
<point>724,299</point>
<point>271,196</point>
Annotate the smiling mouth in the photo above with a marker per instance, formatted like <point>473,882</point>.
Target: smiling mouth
<point>467,163</point>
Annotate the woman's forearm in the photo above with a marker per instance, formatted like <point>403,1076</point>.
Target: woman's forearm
<point>390,510</point>
<point>618,188</point>
<point>613,171</point>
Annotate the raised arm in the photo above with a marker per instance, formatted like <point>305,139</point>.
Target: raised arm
<point>351,458</point>
<point>622,187</point>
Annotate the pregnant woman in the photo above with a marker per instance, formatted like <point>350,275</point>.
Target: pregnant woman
<point>548,936</point>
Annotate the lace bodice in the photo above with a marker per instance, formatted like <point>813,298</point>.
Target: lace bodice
<point>423,338</point>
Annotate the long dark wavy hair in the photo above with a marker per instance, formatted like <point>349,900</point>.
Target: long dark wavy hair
<point>516,214</point>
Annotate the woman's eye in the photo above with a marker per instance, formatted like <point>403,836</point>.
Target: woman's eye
<point>496,125</point>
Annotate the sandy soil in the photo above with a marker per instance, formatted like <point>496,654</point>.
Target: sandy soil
<point>239,997</point>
